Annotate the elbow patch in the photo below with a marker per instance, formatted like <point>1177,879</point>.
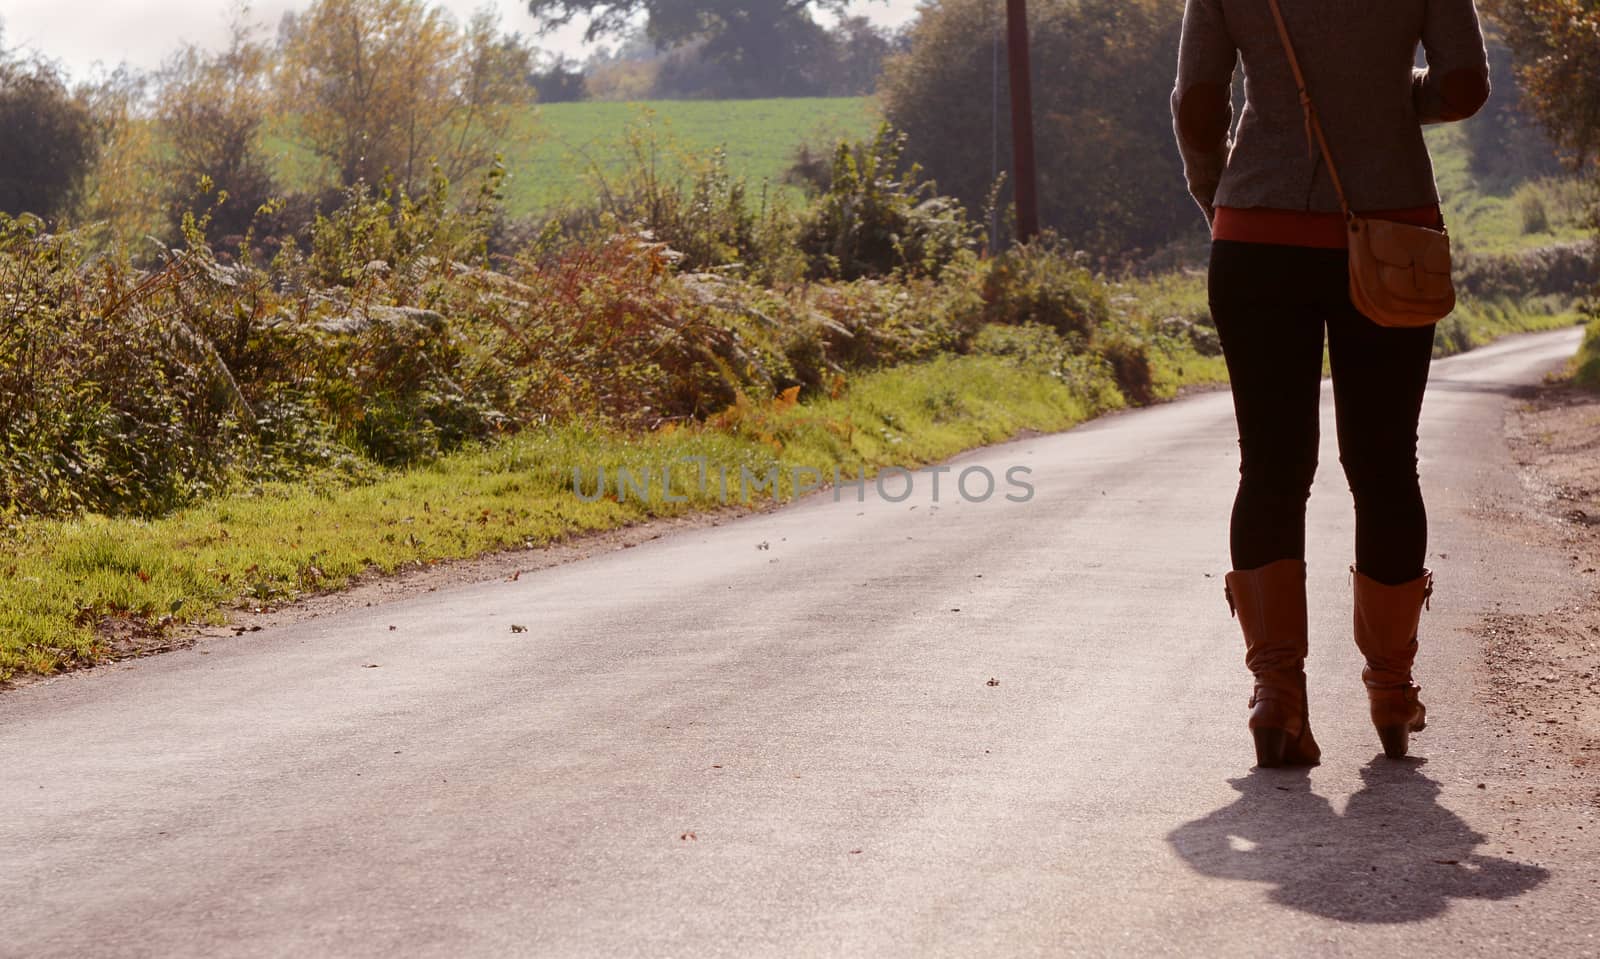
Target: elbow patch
<point>1203,114</point>
<point>1464,93</point>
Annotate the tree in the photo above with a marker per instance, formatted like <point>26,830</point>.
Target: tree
<point>48,141</point>
<point>860,52</point>
<point>394,86</point>
<point>123,193</point>
<point>560,80</point>
<point>1508,144</point>
<point>209,111</point>
<point>1557,47</point>
<point>767,47</point>
<point>1110,179</point>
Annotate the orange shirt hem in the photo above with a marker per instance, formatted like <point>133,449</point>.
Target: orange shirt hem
<point>1304,227</point>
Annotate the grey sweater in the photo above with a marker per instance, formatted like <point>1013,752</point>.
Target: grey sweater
<point>1358,58</point>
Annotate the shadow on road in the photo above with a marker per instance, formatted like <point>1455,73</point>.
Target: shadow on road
<point>1394,855</point>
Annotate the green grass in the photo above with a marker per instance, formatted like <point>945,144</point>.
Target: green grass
<point>1586,365</point>
<point>569,140</point>
<point>554,150</point>
<point>1178,297</point>
<point>274,544</point>
<point>1477,322</point>
<point>1489,218</point>
<point>1181,293</point>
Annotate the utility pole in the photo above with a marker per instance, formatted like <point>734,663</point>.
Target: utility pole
<point>1026,185</point>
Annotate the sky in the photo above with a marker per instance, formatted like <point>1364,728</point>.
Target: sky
<point>83,33</point>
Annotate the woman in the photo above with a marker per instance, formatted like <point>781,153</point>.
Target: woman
<point>1279,282</point>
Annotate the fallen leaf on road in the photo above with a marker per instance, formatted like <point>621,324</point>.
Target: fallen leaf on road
<point>993,682</point>
<point>689,837</point>
<point>518,629</point>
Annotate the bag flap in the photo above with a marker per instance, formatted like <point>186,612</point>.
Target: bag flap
<point>1407,283</point>
<point>1401,244</point>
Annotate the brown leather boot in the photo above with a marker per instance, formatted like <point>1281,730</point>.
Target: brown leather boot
<point>1270,603</point>
<point>1386,619</point>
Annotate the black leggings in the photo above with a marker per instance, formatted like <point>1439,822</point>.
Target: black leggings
<point>1272,305</point>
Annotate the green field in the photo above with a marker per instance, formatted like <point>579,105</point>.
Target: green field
<point>555,150</point>
<point>561,144</point>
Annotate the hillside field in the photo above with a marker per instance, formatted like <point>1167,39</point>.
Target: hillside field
<point>555,149</point>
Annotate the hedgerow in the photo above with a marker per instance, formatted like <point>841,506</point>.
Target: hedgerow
<point>394,329</point>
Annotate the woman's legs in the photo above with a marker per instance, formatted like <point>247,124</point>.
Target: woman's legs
<point>1379,376</point>
<point>1271,305</point>
<point>1264,301</point>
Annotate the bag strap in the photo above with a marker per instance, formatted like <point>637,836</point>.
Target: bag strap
<point>1313,121</point>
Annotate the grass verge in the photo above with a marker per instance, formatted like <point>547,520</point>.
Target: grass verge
<point>1479,322</point>
<point>1586,365</point>
<point>70,592</point>
<point>1476,321</point>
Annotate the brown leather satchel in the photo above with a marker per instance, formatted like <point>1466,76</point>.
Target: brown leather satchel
<point>1399,273</point>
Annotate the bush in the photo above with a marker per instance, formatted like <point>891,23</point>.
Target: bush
<point>108,401</point>
<point>210,109</point>
<point>879,215</point>
<point>703,213</point>
<point>47,139</point>
<point>1586,367</point>
<point>1041,283</point>
<point>1568,269</point>
<point>1130,367</point>
<point>1530,207</point>
<point>130,391</point>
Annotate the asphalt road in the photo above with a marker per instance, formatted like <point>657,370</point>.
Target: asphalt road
<point>839,728</point>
